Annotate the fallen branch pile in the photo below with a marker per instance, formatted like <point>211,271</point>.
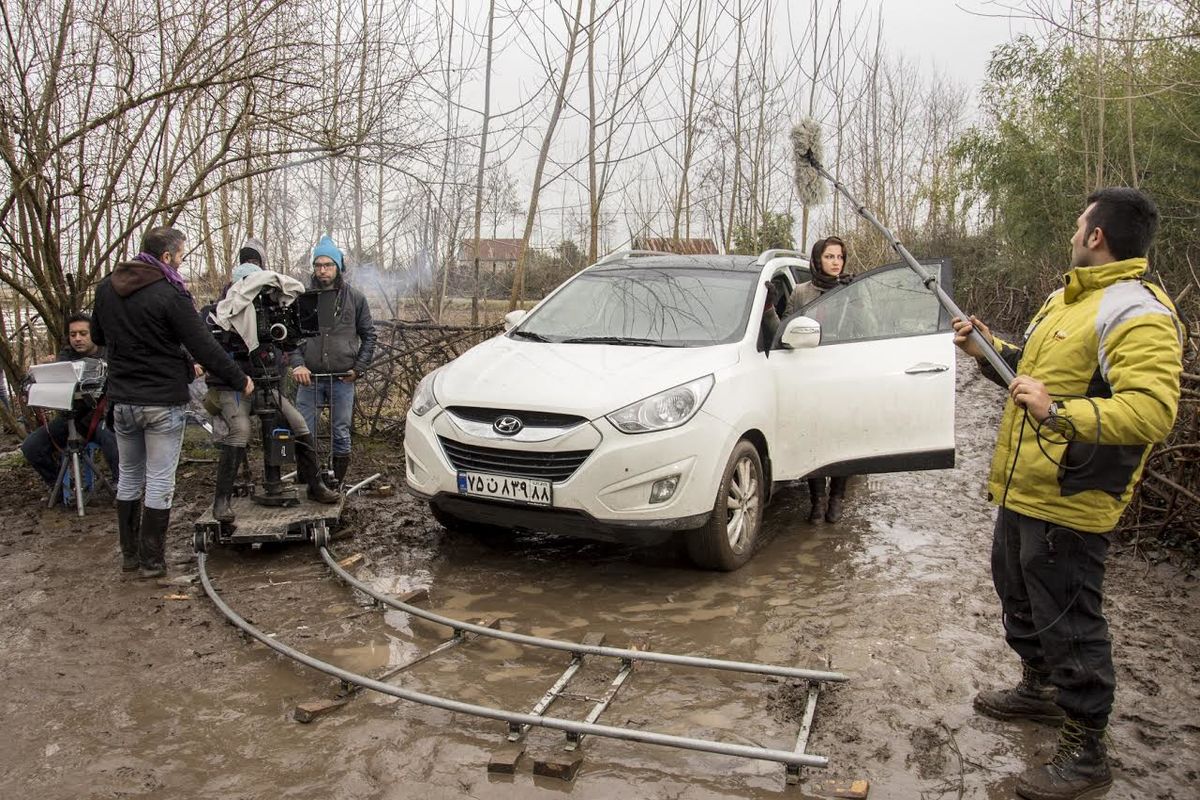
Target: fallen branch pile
<point>1166,505</point>
<point>405,353</point>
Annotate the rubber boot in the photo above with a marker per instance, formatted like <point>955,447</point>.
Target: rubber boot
<point>837,491</point>
<point>816,494</point>
<point>341,465</point>
<point>227,470</point>
<point>1078,767</point>
<point>152,541</point>
<point>309,472</point>
<point>129,522</point>
<point>1032,698</point>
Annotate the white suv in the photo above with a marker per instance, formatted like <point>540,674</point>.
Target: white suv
<point>642,399</point>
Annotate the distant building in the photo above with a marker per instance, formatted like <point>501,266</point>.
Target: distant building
<point>667,244</point>
<point>494,254</point>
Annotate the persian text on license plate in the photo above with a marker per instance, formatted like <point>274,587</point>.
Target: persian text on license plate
<point>505,487</point>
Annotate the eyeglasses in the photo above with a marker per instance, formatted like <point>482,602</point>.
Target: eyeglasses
<point>327,264</point>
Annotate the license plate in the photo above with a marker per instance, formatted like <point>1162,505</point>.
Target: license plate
<point>505,487</point>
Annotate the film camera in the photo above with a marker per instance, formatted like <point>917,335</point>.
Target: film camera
<point>280,325</point>
<point>76,388</point>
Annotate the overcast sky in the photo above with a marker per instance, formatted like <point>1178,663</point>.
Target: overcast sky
<point>943,33</point>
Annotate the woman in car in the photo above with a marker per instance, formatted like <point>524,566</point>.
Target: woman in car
<point>827,264</point>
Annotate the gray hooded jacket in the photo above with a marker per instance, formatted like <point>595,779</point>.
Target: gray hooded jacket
<point>349,343</point>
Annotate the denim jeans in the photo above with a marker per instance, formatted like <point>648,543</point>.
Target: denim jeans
<point>1050,580</point>
<point>237,411</point>
<point>339,396</point>
<point>43,447</point>
<point>149,439</point>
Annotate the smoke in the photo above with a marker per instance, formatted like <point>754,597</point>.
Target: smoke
<point>806,145</point>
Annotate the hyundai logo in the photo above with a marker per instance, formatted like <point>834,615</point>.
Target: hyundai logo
<point>507,425</point>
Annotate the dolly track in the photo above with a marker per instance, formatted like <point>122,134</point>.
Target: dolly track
<point>793,760</point>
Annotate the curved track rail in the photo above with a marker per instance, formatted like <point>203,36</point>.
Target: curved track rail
<point>793,760</point>
<point>576,647</point>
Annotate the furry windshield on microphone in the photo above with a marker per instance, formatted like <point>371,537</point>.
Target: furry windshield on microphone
<point>806,145</point>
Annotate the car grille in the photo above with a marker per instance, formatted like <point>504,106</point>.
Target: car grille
<point>531,419</point>
<point>551,466</point>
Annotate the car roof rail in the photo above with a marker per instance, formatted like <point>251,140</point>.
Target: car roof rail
<point>621,255</point>
<point>767,255</point>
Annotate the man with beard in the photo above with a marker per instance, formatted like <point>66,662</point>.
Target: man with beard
<point>343,348</point>
<point>1097,384</point>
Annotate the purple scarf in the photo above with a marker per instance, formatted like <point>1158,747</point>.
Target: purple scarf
<point>170,273</point>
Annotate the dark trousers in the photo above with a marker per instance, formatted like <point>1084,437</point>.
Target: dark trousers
<point>43,447</point>
<point>1050,580</point>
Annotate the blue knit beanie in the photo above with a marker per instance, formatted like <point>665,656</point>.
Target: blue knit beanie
<point>242,270</point>
<point>327,248</point>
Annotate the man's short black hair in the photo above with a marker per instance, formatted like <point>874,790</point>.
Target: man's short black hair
<point>163,239</point>
<point>79,316</point>
<point>1128,218</point>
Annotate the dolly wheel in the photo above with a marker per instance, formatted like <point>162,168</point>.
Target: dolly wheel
<point>200,540</point>
<point>320,535</point>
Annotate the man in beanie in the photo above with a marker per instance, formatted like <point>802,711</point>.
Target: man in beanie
<point>252,252</point>
<point>144,315</point>
<point>327,365</point>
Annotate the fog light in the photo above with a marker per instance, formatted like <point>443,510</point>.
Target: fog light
<point>663,489</point>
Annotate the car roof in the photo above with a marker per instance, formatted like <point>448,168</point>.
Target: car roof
<point>720,263</point>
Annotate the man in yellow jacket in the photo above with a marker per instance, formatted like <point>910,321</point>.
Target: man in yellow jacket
<point>1097,384</point>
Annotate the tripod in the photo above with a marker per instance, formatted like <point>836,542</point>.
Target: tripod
<point>75,455</point>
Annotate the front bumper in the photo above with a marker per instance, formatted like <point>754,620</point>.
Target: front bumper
<point>607,496</point>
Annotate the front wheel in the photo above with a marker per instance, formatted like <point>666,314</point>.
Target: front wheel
<point>729,538</point>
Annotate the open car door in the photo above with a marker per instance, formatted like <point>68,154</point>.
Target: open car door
<point>877,393</point>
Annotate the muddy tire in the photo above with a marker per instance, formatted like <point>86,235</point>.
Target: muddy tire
<point>453,523</point>
<point>731,535</point>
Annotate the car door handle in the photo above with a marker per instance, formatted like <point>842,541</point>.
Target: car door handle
<point>925,366</point>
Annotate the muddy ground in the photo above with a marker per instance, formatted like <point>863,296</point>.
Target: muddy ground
<point>124,688</point>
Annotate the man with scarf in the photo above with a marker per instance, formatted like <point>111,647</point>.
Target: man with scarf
<point>1097,384</point>
<point>338,354</point>
<point>145,316</point>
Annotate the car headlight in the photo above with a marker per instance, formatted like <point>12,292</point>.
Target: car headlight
<point>423,398</point>
<point>665,410</point>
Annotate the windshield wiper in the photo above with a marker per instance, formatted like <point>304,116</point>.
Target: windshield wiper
<point>537,337</point>
<point>625,340</point>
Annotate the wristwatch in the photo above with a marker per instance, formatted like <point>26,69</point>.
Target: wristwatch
<point>1054,409</point>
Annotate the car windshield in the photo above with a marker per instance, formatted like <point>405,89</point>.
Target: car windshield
<point>658,307</point>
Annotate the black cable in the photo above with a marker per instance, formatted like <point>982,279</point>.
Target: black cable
<point>1059,425</point>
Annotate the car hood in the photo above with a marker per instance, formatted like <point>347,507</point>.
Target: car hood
<point>589,380</point>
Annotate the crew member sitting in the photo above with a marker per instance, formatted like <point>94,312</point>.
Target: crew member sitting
<point>42,447</point>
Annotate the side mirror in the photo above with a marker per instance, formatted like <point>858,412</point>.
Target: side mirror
<point>513,317</point>
<point>801,333</point>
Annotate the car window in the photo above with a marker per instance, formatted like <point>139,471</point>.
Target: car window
<point>884,303</point>
<point>685,307</point>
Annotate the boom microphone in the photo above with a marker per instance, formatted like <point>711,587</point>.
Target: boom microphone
<point>810,176</point>
<point>806,150</point>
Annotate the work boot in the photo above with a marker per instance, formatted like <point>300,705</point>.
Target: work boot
<point>309,472</point>
<point>816,494</point>
<point>1032,698</point>
<point>153,541</point>
<point>1078,767</point>
<point>129,522</point>
<point>837,491</point>
<point>227,470</point>
<point>341,465</point>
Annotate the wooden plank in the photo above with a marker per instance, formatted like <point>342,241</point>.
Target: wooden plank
<point>307,712</point>
<point>842,789</point>
<point>504,758</point>
<point>352,561</point>
<point>562,767</point>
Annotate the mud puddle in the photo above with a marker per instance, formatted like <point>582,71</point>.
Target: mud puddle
<point>122,689</point>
